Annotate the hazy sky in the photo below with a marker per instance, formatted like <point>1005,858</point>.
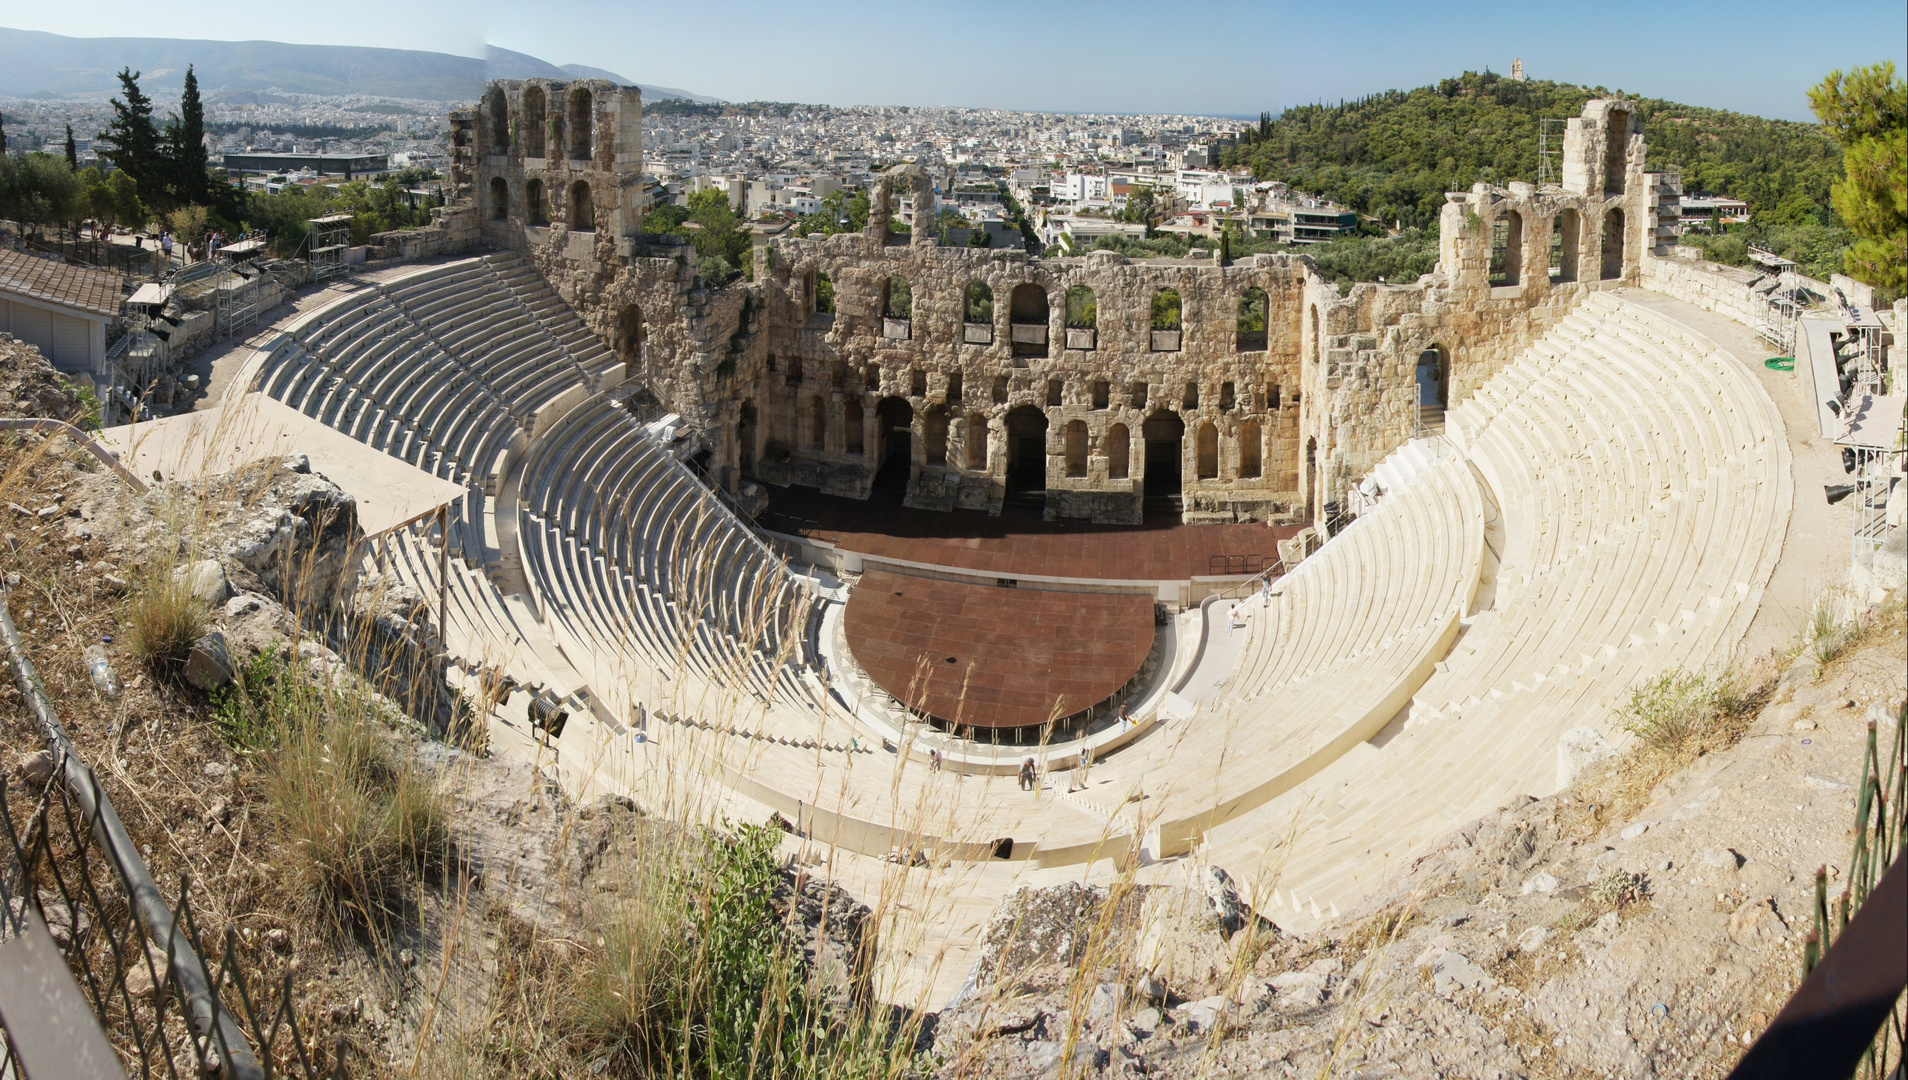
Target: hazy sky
<point>1113,56</point>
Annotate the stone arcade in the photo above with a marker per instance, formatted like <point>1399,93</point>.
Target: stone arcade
<point>1245,391</point>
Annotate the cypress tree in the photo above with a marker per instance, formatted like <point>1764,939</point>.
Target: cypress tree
<point>3,135</point>
<point>190,182</point>
<point>72,150</point>
<point>137,150</point>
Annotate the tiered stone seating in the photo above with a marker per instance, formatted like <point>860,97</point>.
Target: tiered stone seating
<point>1643,479</point>
<point>445,369</point>
<point>641,569</point>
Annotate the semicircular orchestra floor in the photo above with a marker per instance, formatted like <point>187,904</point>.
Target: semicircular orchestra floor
<point>990,657</point>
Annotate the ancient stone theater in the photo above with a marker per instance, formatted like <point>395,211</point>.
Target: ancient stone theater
<point>979,566</point>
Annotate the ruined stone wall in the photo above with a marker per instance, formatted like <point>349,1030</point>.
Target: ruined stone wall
<point>959,381</point>
<point>791,395</point>
<point>1722,289</point>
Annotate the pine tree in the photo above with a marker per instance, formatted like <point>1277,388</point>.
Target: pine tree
<point>1867,110</point>
<point>191,185</point>
<point>136,148</point>
<point>72,150</point>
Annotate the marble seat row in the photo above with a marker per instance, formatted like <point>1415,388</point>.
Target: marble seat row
<point>1644,480</point>
<point>647,575</point>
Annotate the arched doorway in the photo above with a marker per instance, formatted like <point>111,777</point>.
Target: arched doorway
<point>1434,389</point>
<point>894,444</point>
<point>499,199</point>
<point>1434,377</point>
<point>1026,451</point>
<point>1028,310</point>
<point>1613,244</point>
<point>629,337</point>
<point>1311,480</point>
<point>1164,433</point>
<point>745,439</point>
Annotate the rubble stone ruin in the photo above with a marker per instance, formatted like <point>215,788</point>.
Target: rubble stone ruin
<point>1096,381</point>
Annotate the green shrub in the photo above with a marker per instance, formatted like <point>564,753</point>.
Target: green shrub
<point>1682,708</point>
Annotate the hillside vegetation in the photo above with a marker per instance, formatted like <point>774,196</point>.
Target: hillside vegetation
<point>1392,156</point>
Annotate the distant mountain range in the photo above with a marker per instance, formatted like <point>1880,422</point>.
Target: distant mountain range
<point>40,65</point>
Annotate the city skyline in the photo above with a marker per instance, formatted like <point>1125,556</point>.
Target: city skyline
<point>1078,58</point>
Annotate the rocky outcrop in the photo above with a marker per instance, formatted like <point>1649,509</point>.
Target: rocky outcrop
<point>29,385</point>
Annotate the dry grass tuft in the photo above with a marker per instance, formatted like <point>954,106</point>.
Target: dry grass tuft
<point>163,618</point>
<point>363,822</point>
<point>1676,718</point>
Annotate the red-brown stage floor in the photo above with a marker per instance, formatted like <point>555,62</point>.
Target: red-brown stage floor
<point>985,656</point>
<point>1019,543</point>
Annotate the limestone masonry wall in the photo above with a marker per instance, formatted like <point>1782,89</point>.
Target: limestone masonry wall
<point>980,376</point>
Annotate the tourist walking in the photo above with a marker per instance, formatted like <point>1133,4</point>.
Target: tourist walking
<point>934,760</point>
<point>1027,776</point>
<point>165,244</point>
<point>1086,763</point>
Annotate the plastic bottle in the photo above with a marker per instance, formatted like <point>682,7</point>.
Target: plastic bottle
<point>101,670</point>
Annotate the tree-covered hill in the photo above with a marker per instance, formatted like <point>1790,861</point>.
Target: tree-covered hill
<point>1393,155</point>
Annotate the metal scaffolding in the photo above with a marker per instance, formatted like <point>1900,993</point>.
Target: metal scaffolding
<point>329,237</point>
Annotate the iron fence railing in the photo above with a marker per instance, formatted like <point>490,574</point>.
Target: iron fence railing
<point>136,955</point>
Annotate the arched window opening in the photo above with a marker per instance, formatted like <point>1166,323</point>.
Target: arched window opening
<point>1252,315</point>
<point>535,121</point>
<point>1100,393</point>
<point>1507,247</point>
<point>1616,153</point>
<point>897,309</point>
<point>854,425</point>
<point>1207,451</point>
<point>536,208</point>
<point>871,377</point>
<point>1165,320</point>
<point>1056,393</point>
<point>977,314</point>
<point>1136,395</point>
<point>1119,447</point>
<point>1250,450</point>
<point>1000,390</point>
<point>499,199</point>
<point>1082,318</point>
<point>934,435</point>
<point>1272,396</point>
<point>1190,400</point>
<point>499,111</point>
<point>917,383</point>
<point>1028,311</point>
<point>954,388</point>
<point>1076,448</point>
<point>1613,240</point>
<point>1228,397</point>
<point>817,423</point>
<point>1565,234</point>
<point>976,441</point>
<point>582,211</point>
<point>821,294</point>
<point>629,335</point>
<point>1083,311</point>
<point>582,125</point>
<point>897,299</point>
